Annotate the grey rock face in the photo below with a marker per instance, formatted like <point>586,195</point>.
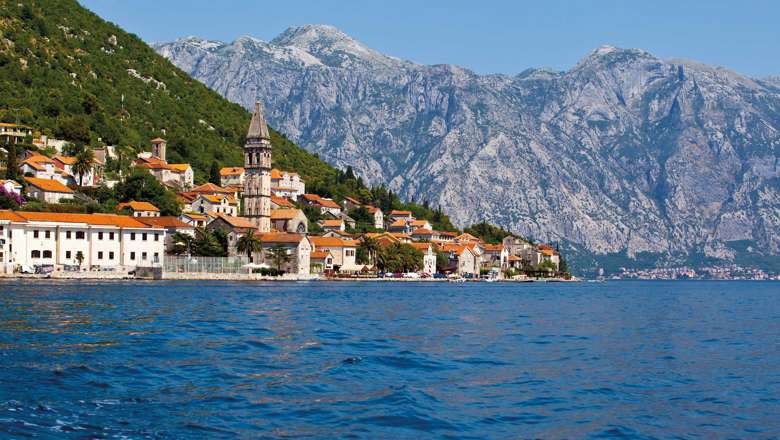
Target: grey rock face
<point>624,152</point>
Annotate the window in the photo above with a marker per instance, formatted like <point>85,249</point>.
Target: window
<point>143,256</point>
<point>1,228</point>
<point>110,255</point>
<point>35,254</point>
<point>132,236</point>
<point>46,254</point>
<point>67,255</point>
<point>79,235</point>
<point>156,257</point>
<point>132,256</point>
<point>143,236</point>
<point>100,235</point>
<point>156,236</point>
<point>110,235</point>
<point>48,234</point>
<point>35,233</point>
<point>100,255</point>
<point>67,235</point>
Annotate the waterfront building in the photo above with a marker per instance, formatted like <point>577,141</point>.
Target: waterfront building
<point>59,241</point>
<point>321,261</point>
<point>494,255</point>
<point>297,246</point>
<point>429,257</point>
<point>139,209</point>
<point>257,165</point>
<point>343,251</point>
<point>462,259</point>
<point>47,190</point>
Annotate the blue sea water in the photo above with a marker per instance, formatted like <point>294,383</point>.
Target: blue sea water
<point>389,360</point>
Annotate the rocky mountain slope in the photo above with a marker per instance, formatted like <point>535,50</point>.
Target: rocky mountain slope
<point>623,155</point>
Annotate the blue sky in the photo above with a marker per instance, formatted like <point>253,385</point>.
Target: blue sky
<point>488,36</point>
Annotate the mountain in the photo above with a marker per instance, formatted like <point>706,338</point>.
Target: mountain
<point>70,74</point>
<point>625,157</point>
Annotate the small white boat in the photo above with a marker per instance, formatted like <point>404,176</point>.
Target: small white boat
<point>457,280</point>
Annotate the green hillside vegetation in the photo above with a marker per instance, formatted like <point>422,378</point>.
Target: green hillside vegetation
<point>71,75</point>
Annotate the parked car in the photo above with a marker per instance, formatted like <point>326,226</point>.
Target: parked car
<point>439,276</point>
<point>411,275</point>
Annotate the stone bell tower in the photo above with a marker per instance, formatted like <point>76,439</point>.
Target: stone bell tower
<point>257,163</point>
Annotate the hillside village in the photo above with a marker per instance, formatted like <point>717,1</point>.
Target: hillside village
<point>253,219</point>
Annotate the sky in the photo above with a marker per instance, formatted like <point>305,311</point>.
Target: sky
<point>487,36</point>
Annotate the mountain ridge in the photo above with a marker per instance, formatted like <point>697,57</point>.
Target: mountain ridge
<point>624,153</point>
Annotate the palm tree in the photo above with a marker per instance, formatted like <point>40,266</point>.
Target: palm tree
<point>370,247</point>
<point>83,164</point>
<point>249,243</point>
<point>181,243</point>
<point>278,254</point>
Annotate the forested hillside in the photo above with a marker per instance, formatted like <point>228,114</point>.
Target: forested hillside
<point>71,75</point>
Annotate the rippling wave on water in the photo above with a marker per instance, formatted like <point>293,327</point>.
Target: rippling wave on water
<point>395,360</point>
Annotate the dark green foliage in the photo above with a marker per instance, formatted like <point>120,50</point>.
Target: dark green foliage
<point>278,255</point>
<point>142,186</point>
<point>399,257</point>
<point>488,233</point>
<point>206,244</point>
<point>214,173</point>
<point>11,163</point>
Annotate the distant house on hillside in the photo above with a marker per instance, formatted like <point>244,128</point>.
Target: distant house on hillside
<point>177,175</point>
<point>232,176</point>
<point>287,184</point>
<point>48,190</point>
<point>139,209</point>
<point>327,206</point>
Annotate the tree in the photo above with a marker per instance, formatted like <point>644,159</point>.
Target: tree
<point>250,244</point>
<point>142,186</point>
<point>12,168</point>
<point>364,221</point>
<point>79,258</point>
<point>83,164</point>
<point>205,244</point>
<point>278,255</point>
<point>214,174</point>
<point>368,249</point>
<point>182,243</point>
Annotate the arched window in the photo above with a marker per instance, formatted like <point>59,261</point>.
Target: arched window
<point>301,228</point>
<point>35,254</point>
<point>46,254</point>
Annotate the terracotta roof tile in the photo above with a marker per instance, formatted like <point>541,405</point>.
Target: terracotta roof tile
<point>48,185</point>
<point>137,206</point>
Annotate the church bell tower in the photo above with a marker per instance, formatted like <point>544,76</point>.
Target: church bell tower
<point>257,163</point>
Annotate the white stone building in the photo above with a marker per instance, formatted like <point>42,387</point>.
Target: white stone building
<point>61,241</point>
<point>47,190</point>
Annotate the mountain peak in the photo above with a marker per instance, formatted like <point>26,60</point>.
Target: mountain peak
<point>332,46</point>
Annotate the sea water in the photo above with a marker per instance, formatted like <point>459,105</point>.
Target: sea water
<point>389,360</point>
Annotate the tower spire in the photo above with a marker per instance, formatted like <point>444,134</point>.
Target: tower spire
<point>257,163</point>
<point>258,129</point>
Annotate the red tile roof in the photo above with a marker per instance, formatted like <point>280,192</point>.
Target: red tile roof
<point>48,185</point>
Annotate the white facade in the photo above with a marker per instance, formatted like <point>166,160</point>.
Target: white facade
<point>78,242</point>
